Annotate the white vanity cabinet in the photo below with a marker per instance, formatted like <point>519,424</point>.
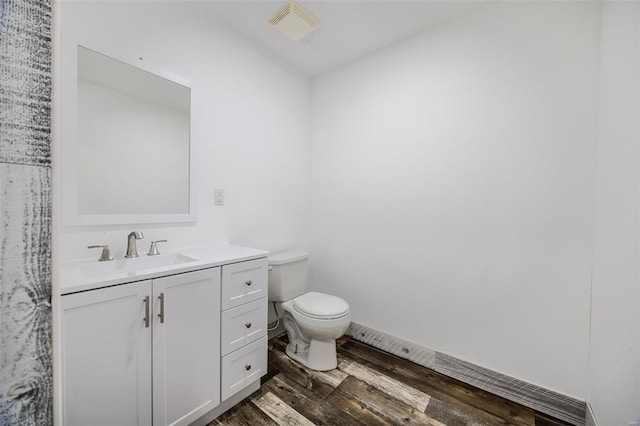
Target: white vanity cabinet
<point>244,325</point>
<point>167,345</point>
<point>118,341</point>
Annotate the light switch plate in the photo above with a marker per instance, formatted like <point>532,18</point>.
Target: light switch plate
<point>218,197</point>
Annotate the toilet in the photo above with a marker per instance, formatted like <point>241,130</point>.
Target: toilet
<point>313,320</point>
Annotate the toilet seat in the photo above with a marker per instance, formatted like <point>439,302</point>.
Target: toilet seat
<point>320,306</point>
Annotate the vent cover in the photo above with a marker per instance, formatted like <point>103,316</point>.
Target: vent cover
<point>293,21</point>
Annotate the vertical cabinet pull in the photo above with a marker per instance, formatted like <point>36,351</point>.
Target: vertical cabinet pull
<point>146,311</point>
<point>161,314</point>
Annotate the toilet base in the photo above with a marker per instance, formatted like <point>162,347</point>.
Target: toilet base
<point>319,355</point>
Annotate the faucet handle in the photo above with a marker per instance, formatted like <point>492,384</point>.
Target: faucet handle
<point>153,250</point>
<point>105,255</point>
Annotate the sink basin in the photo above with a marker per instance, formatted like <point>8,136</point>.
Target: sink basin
<point>135,265</point>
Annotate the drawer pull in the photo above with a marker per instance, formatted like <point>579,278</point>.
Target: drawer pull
<point>161,314</point>
<point>248,282</point>
<point>247,324</point>
<point>247,367</point>
<point>146,311</point>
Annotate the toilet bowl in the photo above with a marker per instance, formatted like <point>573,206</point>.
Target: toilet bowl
<point>313,320</point>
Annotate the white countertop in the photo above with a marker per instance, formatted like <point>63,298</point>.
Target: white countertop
<point>74,277</point>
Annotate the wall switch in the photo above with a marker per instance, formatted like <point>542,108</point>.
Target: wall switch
<point>218,197</point>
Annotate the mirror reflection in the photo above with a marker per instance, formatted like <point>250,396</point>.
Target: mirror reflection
<point>133,139</point>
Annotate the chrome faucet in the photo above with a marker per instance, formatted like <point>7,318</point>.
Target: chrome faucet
<point>132,250</point>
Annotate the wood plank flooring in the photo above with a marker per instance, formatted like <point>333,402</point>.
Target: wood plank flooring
<point>371,387</point>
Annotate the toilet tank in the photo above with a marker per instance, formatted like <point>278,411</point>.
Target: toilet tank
<point>287,275</point>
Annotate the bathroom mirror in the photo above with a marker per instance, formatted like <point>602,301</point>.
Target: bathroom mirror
<point>126,147</point>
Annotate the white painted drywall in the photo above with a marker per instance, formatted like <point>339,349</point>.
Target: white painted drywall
<point>251,132</point>
<point>614,367</point>
<point>452,191</point>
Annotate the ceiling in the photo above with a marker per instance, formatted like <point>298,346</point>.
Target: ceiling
<point>348,28</point>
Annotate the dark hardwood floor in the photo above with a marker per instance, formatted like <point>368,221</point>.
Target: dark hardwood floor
<point>371,387</point>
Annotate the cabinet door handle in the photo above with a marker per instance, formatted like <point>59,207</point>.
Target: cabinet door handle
<point>248,282</point>
<point>146,312</point>
<point>247,324</point>
<point>247,367</point>
<point>161,314</point>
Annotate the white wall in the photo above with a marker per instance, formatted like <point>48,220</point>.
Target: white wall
<point>452,188</point>
<point>614,369</point>
<point>252,124</point>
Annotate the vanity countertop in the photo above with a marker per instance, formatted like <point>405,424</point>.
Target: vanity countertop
<point>91,274</point>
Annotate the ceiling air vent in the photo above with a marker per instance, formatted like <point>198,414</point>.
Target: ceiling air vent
<point>293,21</point>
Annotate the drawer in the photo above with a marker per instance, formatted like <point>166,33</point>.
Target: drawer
<point>244,282</point>
<point>243,324</point>
<point>243,367</point>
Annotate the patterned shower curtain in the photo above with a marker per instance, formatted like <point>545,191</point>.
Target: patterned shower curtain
<point>26,380</point>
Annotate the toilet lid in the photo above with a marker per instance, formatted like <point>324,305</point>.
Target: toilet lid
<point>320,305</point>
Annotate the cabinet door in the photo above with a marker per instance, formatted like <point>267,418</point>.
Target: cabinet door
<point>106,356</point>
<point>186,346</point>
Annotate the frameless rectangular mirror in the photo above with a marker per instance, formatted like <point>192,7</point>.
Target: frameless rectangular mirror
<point>127,149</point>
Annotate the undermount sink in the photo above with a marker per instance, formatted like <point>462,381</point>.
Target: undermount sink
<point>138,264</point>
